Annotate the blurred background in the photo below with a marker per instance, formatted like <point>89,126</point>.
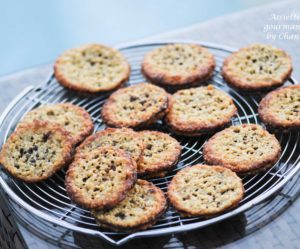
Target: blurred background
<point>34,32</point>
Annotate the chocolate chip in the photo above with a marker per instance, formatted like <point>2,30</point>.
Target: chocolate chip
<point>133,98</point>
<point>21,152</point>
<point>142,102</point>
<point>46,137</point>
<point>120,215</point>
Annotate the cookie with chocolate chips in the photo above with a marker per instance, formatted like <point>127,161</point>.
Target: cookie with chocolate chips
<point>142,207</point>
<point>200,110</point>
<point>35,151</point>
<point>258,67</point>
<point>280,109</point>
<point>203,190</point>
<point>135,106</point>
<point>121,138</point>
<point>160,155</point>
<point>245,149</point>
<point>100,178</point>
<point>92,68</point>
<point>177,66</point>
<point>74,119</point>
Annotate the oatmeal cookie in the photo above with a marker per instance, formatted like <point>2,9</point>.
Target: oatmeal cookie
<point>203,190</point>
<point>72,118</point>
<point>200,110</point>
<point>245,149</point>
<point>161,153</point>
<point>100,178</point>
<point>142,207</point>
<point>178,65</point>
<point>35,151</point>
<point>135,106</point>
<point>92,68</point>
<point>257,67</point>
<point>121,138</point>
<point>280,109</point>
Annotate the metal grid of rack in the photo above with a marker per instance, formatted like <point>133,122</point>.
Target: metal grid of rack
<point>48,200</point>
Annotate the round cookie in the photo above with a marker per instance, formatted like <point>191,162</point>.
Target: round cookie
<point>161,153</point>
<point>245,149</point>
<point>92,68</point>
<point>135,106</point>
<point>203,190</point>
<point>200,110</point>
<point>142,207</point>
<point>100,178</point>
<point>257,67</point>
<point>280,109</point>
<point>121,138</point>
<point>178,66</point>
<point>72,118</point>
<point>35,151</point>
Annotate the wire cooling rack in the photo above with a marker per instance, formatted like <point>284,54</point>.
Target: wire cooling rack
<point>48,200</point>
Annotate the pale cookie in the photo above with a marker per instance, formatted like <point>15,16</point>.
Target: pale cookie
<point>280,109</point>
<point>142,207</point>
<point>100,178</point>
<point>203,190</point>
<point>161,153</point>
<point>178,66</point>
<point>121,138</point>
<point>135,106</point>
<point>257,67</point>
<point>72,118</point>
<point>92,68</point>
<point>245,149</point>
<point>35,151</point>
<point>200,110</point>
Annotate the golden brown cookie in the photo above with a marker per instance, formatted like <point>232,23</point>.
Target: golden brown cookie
<point>35,151</point>
<point>178,65</point>
<point>142,207</point>
<point>280,109</point>
<point>135,106</point>
<point>200,110</point>
<point>203,190</point>
<point>121,138</point>
<point>100,178</point>
<point>257,67</point>
<point>72,118</point>
<point>245,149</point>
<point>92,68</point>
<point>161,153</point>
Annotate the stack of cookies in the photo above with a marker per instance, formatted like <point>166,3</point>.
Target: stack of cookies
<point>103,176</point>
<point>108,169</point>
<point>44,141</point>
